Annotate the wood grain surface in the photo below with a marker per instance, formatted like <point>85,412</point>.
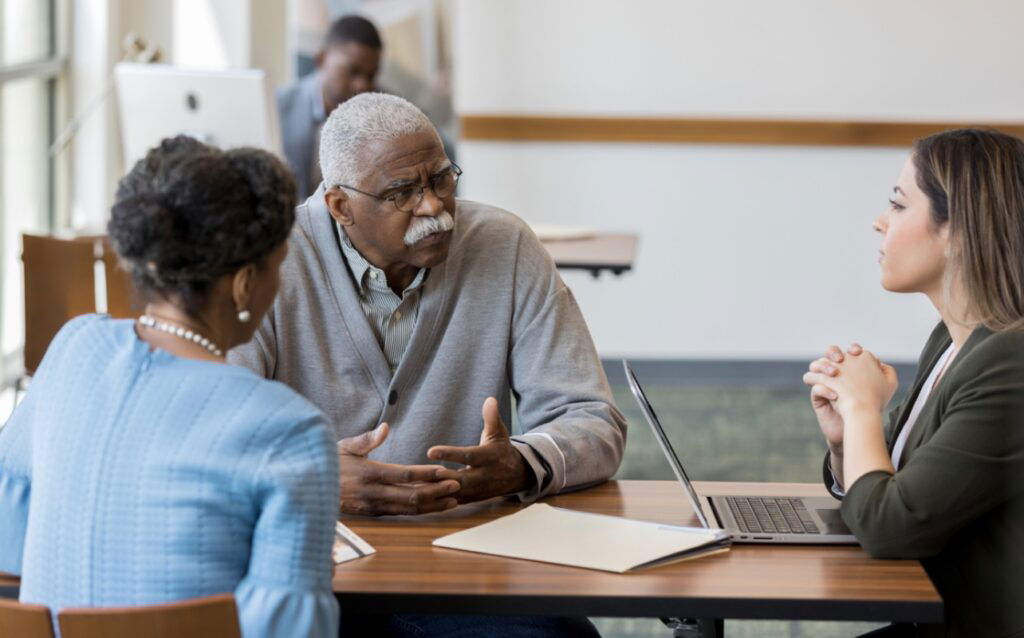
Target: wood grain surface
<point>781,132</point>
<point>19,620</point>
<point>408,575</point>
<point>210,616</point>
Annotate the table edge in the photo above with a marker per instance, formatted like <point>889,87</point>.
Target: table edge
<point>646,606</point>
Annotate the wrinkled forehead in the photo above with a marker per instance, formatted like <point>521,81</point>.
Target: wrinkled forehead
<point>405,157</point>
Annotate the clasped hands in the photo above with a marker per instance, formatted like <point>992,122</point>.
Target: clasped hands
<point>845,383</point>
<point>492,468</point>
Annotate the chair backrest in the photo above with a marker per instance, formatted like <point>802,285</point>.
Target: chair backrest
<point>24,620</point>
<point>210,617</point>
<point>59,285</point>
<point>123,302</point>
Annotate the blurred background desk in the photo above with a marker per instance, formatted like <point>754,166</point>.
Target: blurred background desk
<point>409,575</point>
<point>602,251</point>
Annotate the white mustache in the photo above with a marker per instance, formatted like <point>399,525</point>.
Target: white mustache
<point>422,227</point>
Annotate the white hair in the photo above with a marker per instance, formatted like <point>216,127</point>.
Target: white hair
<point>357,123</point>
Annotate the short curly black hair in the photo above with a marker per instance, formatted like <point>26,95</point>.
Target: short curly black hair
<point>353,28</point>
<point>188,213</point>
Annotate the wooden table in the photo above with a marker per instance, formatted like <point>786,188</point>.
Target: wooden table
<point>603,251</point>
<point>408,575</point>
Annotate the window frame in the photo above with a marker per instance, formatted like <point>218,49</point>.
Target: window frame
<point>53,70</point>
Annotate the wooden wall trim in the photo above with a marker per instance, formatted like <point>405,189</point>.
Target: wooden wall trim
<point>534,128</point>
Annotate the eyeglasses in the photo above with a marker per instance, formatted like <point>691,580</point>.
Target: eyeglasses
<point>407,198</point>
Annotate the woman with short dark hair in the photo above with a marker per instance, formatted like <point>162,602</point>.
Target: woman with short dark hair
<point>943,480</point>
<point>140,467</point>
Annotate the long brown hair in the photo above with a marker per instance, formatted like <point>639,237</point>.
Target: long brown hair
<point>974,179</point>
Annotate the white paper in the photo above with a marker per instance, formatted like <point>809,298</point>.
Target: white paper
<point>348,545</point>
<point>594,541</point>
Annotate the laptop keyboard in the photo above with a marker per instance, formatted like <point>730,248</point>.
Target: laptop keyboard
<point>771,515</point>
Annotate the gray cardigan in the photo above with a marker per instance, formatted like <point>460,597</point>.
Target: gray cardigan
<point>495,319</point>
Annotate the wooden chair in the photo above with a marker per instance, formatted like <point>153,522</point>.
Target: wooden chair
<point>123,302</point>
<point>60,284</point>
<point>24,620</point>
<point>211,617</point>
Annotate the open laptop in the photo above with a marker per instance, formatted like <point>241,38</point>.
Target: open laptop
<point>753,519</point>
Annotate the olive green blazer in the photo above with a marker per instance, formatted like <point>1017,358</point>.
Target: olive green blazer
<point>957,500</point>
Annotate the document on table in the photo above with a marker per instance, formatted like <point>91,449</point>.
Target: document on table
<point>580,539</point>
<point>348,545</point>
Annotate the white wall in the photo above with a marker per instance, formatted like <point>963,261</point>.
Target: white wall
<point>221,34</point>
<point>746,252</point>
<point>913,59</point>
<point>208,33</point>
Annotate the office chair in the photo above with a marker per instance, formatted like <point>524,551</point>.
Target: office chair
<point>24,620</point>
<point>210,617</point>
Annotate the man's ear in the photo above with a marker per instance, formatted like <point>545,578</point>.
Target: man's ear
<point>318,59</point>
<point>339,205</point>
<point>242,286</point>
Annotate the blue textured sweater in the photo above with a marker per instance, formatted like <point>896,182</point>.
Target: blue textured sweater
<point>130,476</point>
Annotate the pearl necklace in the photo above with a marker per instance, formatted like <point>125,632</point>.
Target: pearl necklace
<point>181,332</point>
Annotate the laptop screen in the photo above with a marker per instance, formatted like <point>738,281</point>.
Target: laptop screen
<point>666,446</point>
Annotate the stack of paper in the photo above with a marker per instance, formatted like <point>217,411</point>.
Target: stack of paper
<point>567,537</point>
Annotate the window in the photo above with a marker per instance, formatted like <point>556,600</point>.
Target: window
<point>30,67</point>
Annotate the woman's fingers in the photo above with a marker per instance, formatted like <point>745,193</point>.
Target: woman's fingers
<point>817,378</point>
<point>835,353</point>
<point>855,349</point>
<point>824,366</point>
<point>823,393</point>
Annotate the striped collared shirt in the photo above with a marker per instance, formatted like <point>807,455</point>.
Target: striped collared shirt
<point>391,317</point>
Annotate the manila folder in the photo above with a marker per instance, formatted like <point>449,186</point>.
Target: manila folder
<point>581,539</point>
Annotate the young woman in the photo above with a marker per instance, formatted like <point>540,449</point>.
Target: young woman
<point>140,468</point>
<point>942,480</point>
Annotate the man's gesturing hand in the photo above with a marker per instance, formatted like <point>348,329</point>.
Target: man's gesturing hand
<point>372,488</point>
<point>493,468</point>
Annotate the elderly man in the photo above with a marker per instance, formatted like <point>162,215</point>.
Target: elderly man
<point>402,313</point>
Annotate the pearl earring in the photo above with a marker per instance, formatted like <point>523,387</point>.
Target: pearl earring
<point>244,316</point>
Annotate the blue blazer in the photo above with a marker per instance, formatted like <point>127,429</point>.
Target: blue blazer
<point>130,476</point>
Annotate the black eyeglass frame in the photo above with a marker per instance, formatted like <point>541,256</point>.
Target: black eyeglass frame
<point>453,168</point>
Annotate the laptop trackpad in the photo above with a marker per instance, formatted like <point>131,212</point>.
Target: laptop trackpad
<point>833,521</point>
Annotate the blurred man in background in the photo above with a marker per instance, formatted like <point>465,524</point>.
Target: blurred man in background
<point>346,66</point>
